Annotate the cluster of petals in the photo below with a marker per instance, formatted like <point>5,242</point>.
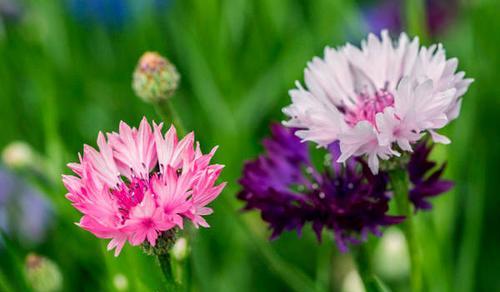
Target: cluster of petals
<point>376,97</point>
<point>290,192</point>
<point>140,183</point>
<point>425,177</point>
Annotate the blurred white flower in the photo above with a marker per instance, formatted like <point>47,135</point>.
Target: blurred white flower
<point>352,282</point>
<point>18,154</point>
<point>120,282</point>
<point>391,258</point>
<point>180,249</point>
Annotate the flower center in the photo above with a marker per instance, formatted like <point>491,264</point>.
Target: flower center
<point>130,194</point>
<point>368,106</point>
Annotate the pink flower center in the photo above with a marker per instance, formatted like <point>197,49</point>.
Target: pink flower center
<point>131,194</point>
<point>368,106</point>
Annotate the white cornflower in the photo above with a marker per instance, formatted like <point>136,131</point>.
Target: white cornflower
<point>371,98</point>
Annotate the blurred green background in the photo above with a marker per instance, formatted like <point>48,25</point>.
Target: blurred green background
<point>65,74</point>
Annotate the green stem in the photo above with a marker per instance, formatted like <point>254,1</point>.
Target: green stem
<point>364,266</point>
<point>416,19</point>
<point>471,240</point>
<point>169,115</point>
<point>400,183</point>
<point>324,267</point>
<point>166,269</point>
<point>181,271</point>
<point>4,283</point>
<point>175,273</point>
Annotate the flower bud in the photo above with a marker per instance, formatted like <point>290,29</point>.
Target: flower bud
<point>155,78</point>
<point>18,154</point>
<point>164,243</point>
<point>42,274</point>
<point>180,249</point>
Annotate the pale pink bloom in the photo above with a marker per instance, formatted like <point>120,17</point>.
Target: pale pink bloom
<point>371,98</point>
<point>141,183</point>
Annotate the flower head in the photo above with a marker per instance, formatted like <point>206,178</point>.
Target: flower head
<point>155,78</point>
<point>377,96</point>
<point>140,184</point>
<point>290,192</point>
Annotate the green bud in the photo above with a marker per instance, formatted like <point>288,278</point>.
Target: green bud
<point>155,78</point>
<point>42,274</point>
<point>164,243</point>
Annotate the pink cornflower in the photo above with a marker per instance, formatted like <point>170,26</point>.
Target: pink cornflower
<point>141,183</point>
<point>371,98</point>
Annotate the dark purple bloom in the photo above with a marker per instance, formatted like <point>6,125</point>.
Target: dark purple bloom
<point>290,192</point>
<point>425,177</point>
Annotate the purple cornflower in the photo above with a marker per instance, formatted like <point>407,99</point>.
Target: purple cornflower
<point>290,191</point>
<point>425,177</point>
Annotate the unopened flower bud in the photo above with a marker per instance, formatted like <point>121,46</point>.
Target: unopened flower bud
<point>155,78</point>
<point>180,249</point>
<point>17,154</point>
<point>42,274</point>
<point>164,243</point>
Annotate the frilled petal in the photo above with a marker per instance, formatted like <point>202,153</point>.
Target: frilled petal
<point>425,178</point>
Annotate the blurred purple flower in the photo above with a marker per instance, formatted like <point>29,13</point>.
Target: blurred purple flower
<point>285,186</point>
<point>425,177</point>
<point>10,11</point>
<point>387,14</point>
<point>24,212</point>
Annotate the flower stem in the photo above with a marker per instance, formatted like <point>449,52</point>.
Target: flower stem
<point>169,115</point>
<point>166,268</point>
<point>174,272</point>
<point>399,182</point>
<point>364,266</point>
<point>416,19</point>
